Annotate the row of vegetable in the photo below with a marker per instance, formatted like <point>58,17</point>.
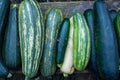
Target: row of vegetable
<point>90,39</point>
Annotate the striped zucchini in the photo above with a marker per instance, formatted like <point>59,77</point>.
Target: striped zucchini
<point>67,66</point>
<point>31,36</point>
<point>81,42</point>
<point>53,21</point>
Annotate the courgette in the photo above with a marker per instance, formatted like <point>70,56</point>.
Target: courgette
<point>53,20</point>
<point>62,41</point>
<point>105,43</point>
<point>31,36</point>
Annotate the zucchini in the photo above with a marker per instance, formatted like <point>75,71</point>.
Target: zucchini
<point>4,8</point>
<point>117,30</point>
<point>31,36</point>
<point>11,44</point>
<point>53,21</point>
<point>67,66</point>
<point>89,16</point>
<point>81,42</point>
<point>105,43</point>
<point>62,41</point>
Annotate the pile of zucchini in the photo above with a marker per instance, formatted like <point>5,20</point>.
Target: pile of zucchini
<point>42,43</point>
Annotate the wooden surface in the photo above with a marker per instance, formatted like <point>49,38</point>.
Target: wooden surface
<point>68,9</point>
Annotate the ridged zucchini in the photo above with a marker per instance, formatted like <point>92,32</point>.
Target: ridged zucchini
<point>11,41</point>
<point>67,66</point>
<point>4,7</point>
<point>53,21</point>
<point>89,16</point>
<point>31,36</point>
<point>81,42</point>
<point>62,41</point>
<point>105,43</point>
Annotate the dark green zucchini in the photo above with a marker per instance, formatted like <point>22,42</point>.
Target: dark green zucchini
<point>89,16</point>
<point>117,29</point>
<point>53,21</point>
<point>113,14</point>
<point>62,41</point>
<point>105,43</point>
<point>11,41</point>
<point>31,36</point>
<point>4,8</point>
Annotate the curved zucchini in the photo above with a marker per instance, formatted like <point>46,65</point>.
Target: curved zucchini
<point>53,21</point>
<point>31,36</point>
<point>11,44</point>
<point>67,66</point>
<point>81,42</point>
<point>63,40</point>
<point>105,43</point>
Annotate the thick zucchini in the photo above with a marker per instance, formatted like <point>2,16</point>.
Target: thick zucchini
<point>89,16</point>
<point>67,66</point>
<point>81,42</point>
<point>4,6</point>
<point>113,14</point>
<point>31,36</point>
<point>105,43</point>
<point>53,21</point>
<point>62,41</point>
<point>11,41</point>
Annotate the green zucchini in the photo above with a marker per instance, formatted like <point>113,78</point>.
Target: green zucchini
<point>105,43</point>
<point>89,16</point>
<point>67,66</point>
<point>4,8</point>
<point>53,21</point>
<point>11,44</point>
<point>62,41</point>
<point>31,36</point>
<point>81,42</point>
<point>117,30</point>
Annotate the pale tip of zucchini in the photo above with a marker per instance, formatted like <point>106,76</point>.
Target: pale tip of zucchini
<point>59,65</point>
<point>9,75</point>
<point>65,75</point>
<point>27,78</point>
